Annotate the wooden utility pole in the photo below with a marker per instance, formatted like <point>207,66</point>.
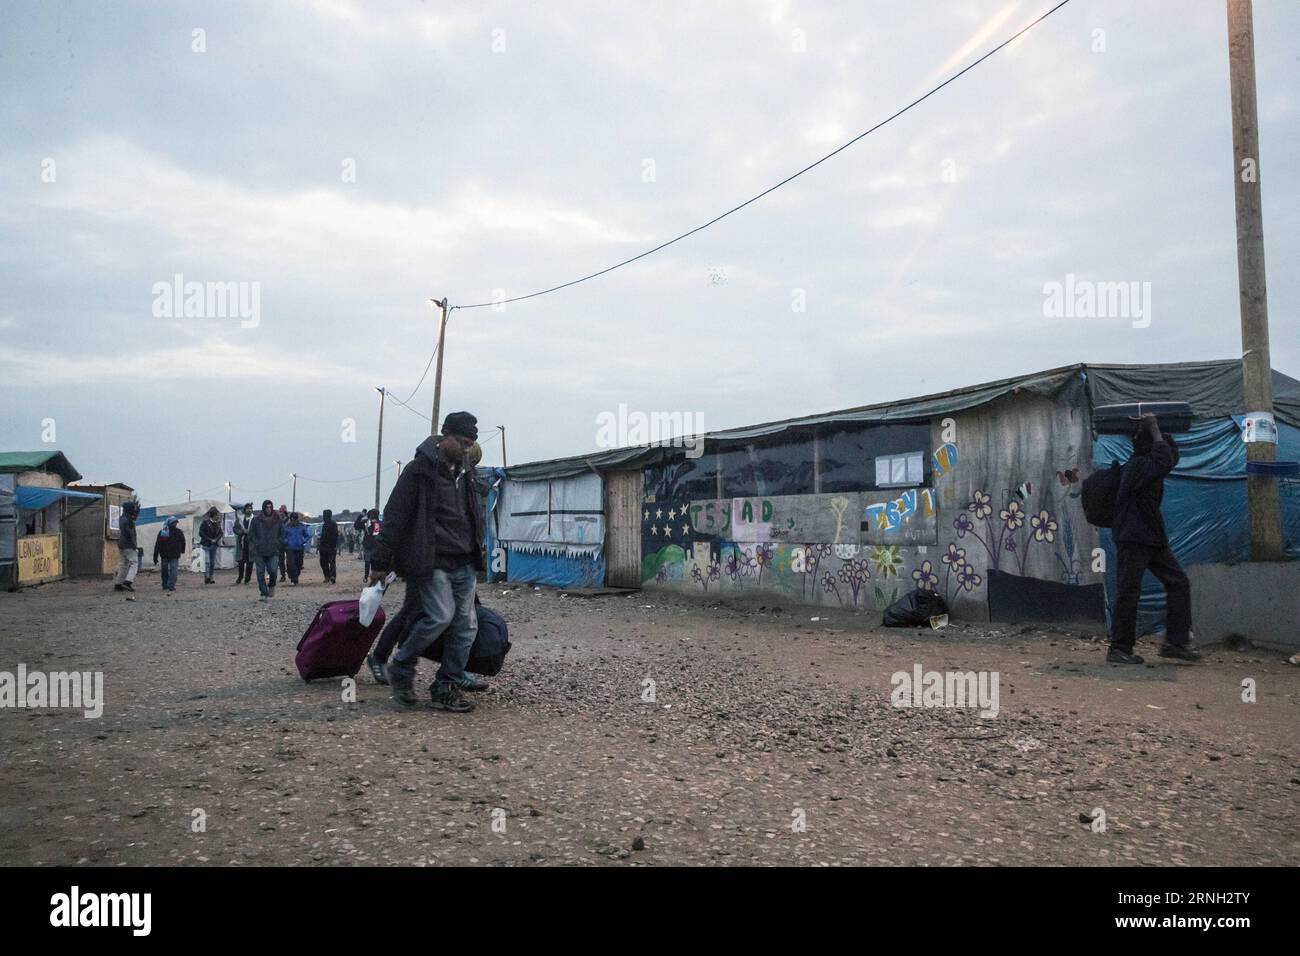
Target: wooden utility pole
<point>503,445</point>
<point>1256,366</point>
<point>437,375</point>
<point>379,447</point>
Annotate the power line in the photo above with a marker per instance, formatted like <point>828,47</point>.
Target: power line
<point>344,481</point>
<point>788,179</point>
<point>420,382</point>
<point>408,407</point>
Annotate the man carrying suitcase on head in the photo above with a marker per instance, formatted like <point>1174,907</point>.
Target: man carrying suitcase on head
<point>1141,545</point>
<point>431,535</point>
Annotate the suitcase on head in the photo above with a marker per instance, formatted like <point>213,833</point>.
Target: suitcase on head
<point>335,643</point>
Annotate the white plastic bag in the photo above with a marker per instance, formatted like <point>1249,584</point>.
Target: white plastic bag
<point>372,597</point>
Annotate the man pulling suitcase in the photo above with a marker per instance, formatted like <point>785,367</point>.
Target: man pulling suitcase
<point>431,536</point>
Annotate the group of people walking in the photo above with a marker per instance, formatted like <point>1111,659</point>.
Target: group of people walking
<point>273,543</point>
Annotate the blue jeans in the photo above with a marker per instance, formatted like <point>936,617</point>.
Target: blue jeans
<point>267,566</point>
<point>209,560</point>
<point>446,599</point>
<point>169,573</point>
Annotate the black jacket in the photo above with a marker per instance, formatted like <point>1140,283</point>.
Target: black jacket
<point>329,536</point>
<point>172,546</point>
<point>125,533</point>
<point>1141,489</point>
<point>210,532</point>
<point>406,542</point>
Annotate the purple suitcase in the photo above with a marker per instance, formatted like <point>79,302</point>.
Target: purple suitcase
<point>335,643</point>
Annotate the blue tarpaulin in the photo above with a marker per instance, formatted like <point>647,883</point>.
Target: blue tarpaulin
<point>1205,503</point>
<point>30,498</point>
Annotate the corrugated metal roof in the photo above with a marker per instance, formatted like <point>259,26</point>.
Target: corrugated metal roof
<point>1212,388</point>
<point>12,462</point>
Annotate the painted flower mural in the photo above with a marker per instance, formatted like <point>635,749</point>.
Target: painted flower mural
<point>1044,526</point>
<point>854,572</point>
<point>886,560</point>
<point>1013,516</point>
<point>925,578</point>
<point>705,578</point>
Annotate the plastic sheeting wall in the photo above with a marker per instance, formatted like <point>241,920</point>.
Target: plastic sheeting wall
<point>1204,506</point>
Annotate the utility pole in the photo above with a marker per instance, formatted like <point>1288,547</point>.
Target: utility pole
<point>293,501</point>
<point>503,445</point>
<point>398,463</point>
<point>227,492</point>
<point>1256,366</point>
<point>437,375</point>
<point>379,448</point>
<point>188,496</point>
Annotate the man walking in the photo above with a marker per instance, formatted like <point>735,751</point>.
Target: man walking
<point>128,558</point>
<point>266,539</point>
<point>329,546</point>
<point>169,545</point>
<point>210,535</point>
<point>296,538</point>
<point>1142,545</point>
<point>284,557</point>
<point>431,536</point>
<point>243,556</point>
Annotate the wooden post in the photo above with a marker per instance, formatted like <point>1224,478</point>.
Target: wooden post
<point>1256,366</point>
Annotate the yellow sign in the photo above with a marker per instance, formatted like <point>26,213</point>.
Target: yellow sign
<point>40,558</point>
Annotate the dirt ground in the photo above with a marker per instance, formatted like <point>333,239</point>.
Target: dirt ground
<point>771,739</point>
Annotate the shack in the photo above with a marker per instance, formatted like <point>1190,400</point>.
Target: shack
<point>92,532</point>
<point>34,507</point>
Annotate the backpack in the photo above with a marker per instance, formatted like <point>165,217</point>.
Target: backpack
<point>1099,493</point>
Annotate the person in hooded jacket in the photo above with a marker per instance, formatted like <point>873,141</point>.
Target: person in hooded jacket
<point>210,535</point>
<point>372,527</point>
<point>169,545</point>
<point>243,555</point>
<point>297,536</point>
<point>1141,545</point>
<point>329,547</point>
<point>431,535</point>
<point>284,562</point>
<point>128,555</point>
<point>266,541</point>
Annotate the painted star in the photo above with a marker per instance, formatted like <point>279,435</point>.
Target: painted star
<point>686,529</point>
<point>654,530</point>
<point>659,513</point>
<point>645,515</point>
<point>672,513</point>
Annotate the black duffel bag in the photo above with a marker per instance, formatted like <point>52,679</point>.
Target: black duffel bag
<point>914,609</point>
<point>491,644</point>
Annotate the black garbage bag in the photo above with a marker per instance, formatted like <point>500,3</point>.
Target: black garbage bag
<point>914,609</point>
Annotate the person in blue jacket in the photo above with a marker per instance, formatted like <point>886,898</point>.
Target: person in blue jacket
<point>297,536</point>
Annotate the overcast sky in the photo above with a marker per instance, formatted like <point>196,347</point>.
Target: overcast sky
<point>354,159</point>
